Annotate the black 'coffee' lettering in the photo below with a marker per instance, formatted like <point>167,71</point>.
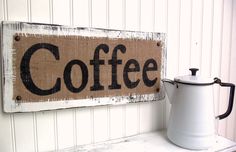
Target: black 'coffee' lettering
<point>67,76</point>
<point>25,69</point>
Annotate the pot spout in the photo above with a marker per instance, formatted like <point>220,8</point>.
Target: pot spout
<point>169,86</point>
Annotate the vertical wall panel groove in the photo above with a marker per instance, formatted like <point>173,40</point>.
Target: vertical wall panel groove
<point>2,12</point>
<point>90,15</point>
<point>167,60</point>
<point>13,133</point>
<point>179,30</point>
<point>233,74</point>
<point>108,108</point>
<point>108,122</point>
<point>29,10</point>
<point>153,15</point>
<point>75,127</point>
<point>224,63</point>
<point>92,125</point>
<point>138,118</point>
<point>55,130</point>
<point>220,61</point>
<point>216,48</point>
<point>5,5</point>
<point>139,11</point>
<point>228,124</point>
<point>190,33</point>
<point>124,14</point>
<point>51,11</point>
<point>211,46</point>
<point>123,106</point>
<point>107,14</point>
<point>201,37</point>
<point>201,41</point>
<point>71,2</point>
<point>229,63</point>
<point>153,29</point>
<point>35,132</point>
<point>123,120</point>
<point>139,28</point>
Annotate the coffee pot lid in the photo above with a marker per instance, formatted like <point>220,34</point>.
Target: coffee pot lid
<point>194,79</point>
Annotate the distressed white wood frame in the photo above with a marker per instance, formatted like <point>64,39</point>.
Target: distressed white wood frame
<point>8,29</point>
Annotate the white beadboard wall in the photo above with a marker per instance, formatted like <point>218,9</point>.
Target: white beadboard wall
<point>201,33</point>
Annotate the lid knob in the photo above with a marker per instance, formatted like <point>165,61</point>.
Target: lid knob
<point>193,71</point>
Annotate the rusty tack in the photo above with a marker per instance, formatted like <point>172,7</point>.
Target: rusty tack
<point>17,38</point>
<point>159,43</point>
<point>18,98</point>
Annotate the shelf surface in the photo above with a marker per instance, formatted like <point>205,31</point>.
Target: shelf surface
<point>149,142</point>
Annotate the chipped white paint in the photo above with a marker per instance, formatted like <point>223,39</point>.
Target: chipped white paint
<point>9,29</point>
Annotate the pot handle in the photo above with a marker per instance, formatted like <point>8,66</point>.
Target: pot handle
<point>231,97</point>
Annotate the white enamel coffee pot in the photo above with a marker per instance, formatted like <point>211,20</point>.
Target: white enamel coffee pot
<point>192,122</point>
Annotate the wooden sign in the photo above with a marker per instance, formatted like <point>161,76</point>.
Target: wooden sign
<point>50,67</point>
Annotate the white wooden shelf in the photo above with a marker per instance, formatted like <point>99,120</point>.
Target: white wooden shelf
<point>149,142</point>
